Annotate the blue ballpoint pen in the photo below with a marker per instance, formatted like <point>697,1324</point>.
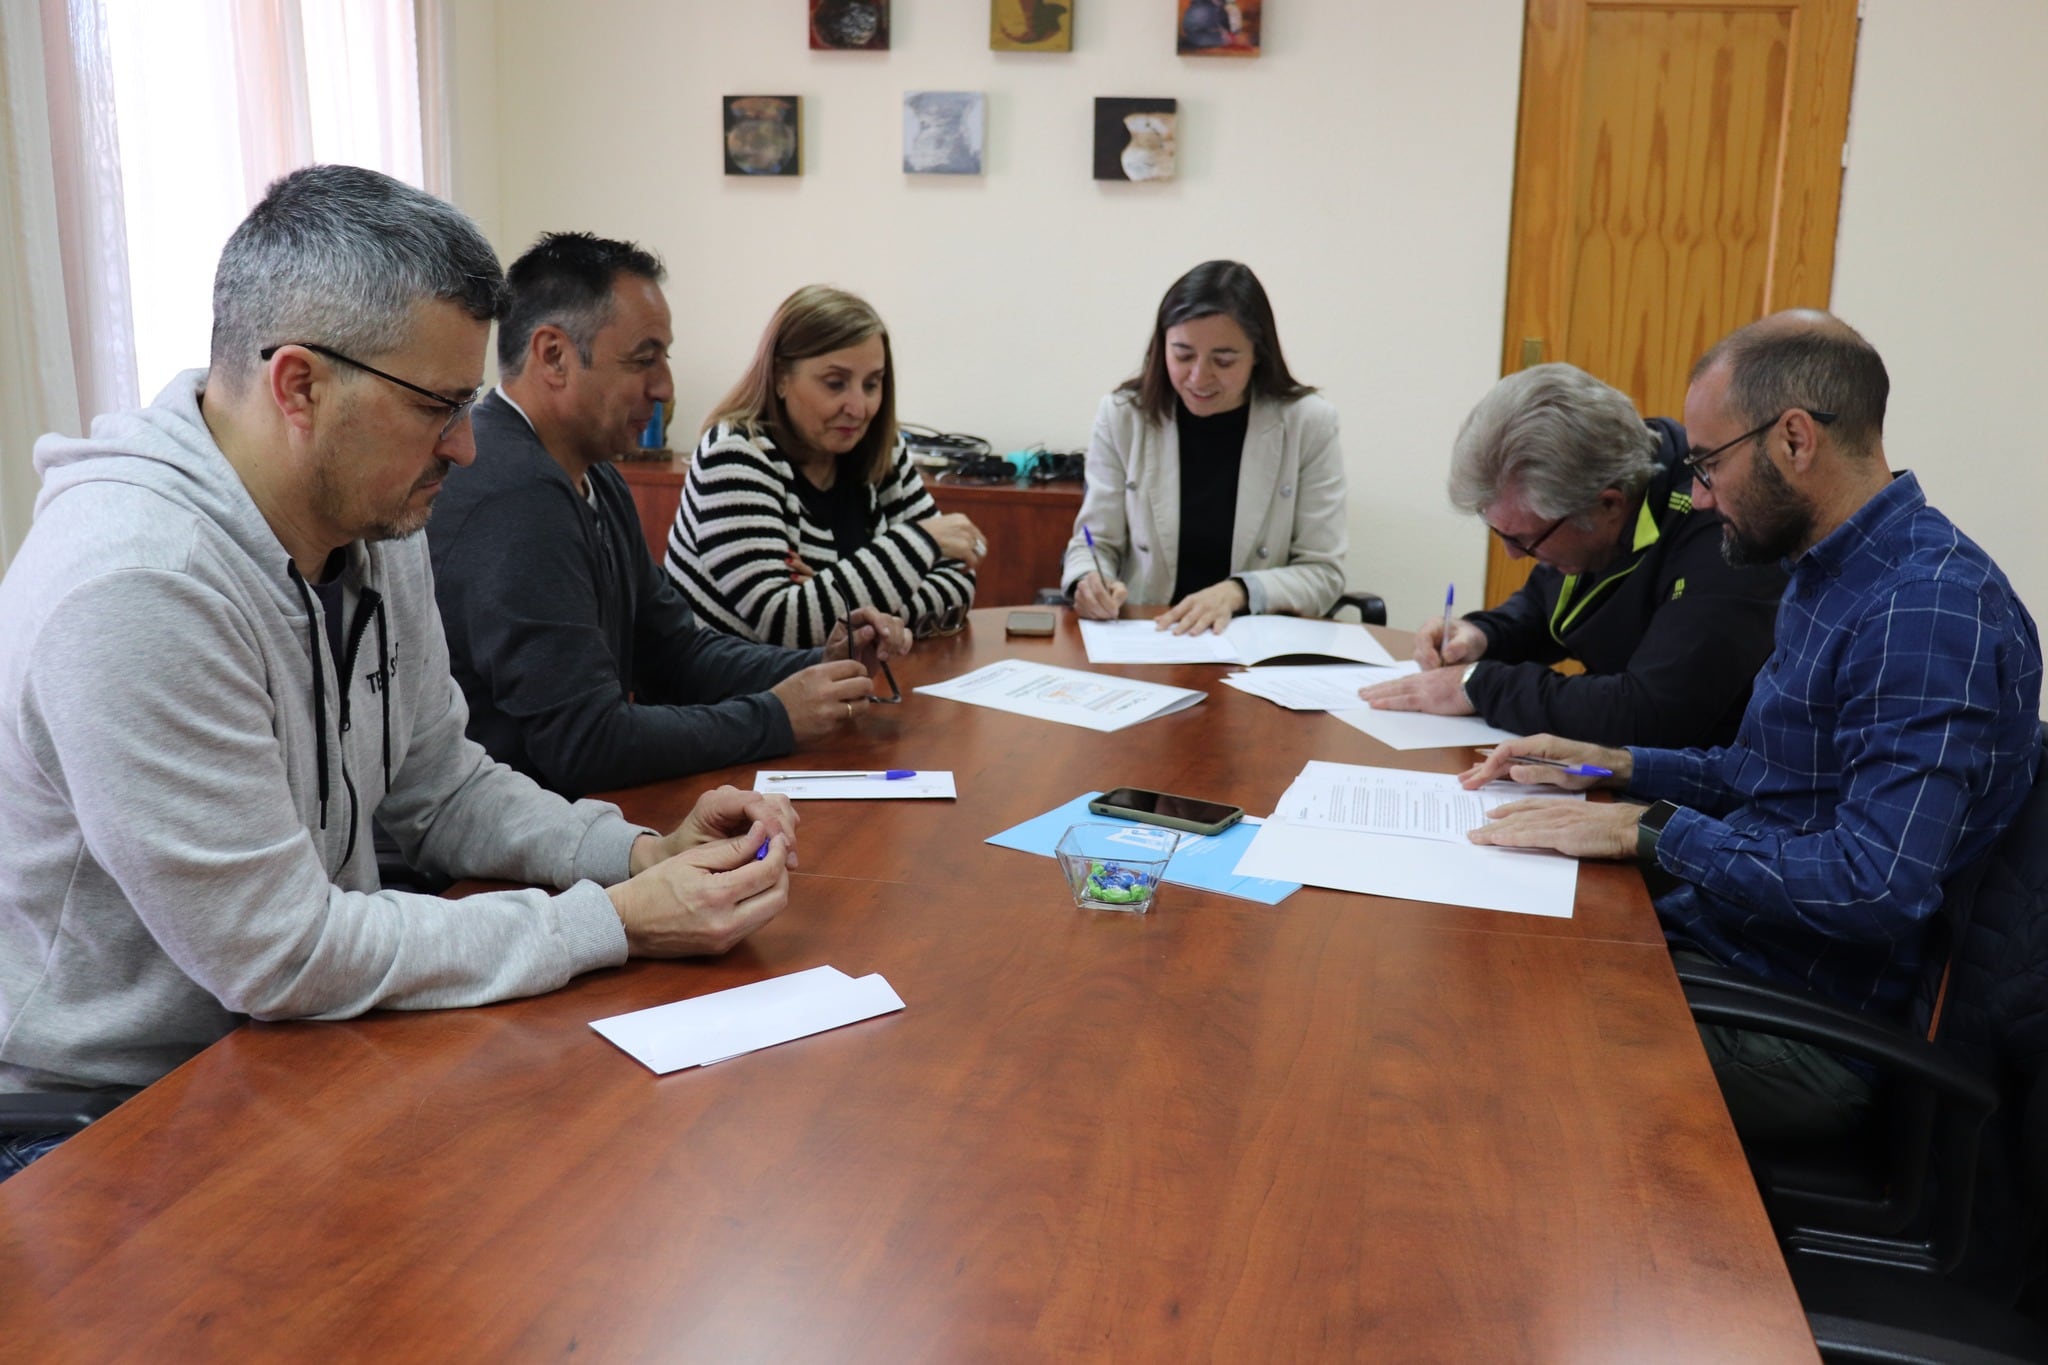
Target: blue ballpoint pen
<point>1450,595</point>
<point>1575,769</point>
<point>893,775</point>
<point>1089,536</point>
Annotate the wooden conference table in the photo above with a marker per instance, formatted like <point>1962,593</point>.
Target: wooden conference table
<point>1340,1128</point>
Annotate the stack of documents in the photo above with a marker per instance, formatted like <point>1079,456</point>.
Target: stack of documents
<point>1067,695</point>
<point>1390,832</point>
<point>1248,640</point>
<point>711,1028</point>
<point>1317,687</point>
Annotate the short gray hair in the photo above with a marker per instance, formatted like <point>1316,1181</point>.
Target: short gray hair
<point>1559,435</point>
<point>340,255</point>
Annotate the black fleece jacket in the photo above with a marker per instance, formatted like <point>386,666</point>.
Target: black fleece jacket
<point>1670,636</point>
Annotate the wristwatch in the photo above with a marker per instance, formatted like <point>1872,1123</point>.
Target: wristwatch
<point>1465,678</point>
<point>1651,828</point>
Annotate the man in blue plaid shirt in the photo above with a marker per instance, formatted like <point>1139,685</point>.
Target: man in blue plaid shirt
<point>1890,739</point>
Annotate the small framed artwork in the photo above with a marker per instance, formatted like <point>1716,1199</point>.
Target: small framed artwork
<point>849,25</point>
<point>763,134</point>
<point>1218,28</point>
<point>1134,138</point>
<point>1031,25</point>
<point>943,131</point>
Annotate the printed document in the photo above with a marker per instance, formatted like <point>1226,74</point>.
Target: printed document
<point>1315,687</point>
<point>1248,640</point>
<point>1388,832</point>
<point>1420,730</point>
<point>1093,701</point>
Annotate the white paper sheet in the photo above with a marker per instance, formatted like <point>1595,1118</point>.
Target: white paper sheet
<point>1447,871</point>
<point>1315,687</point>
<point>1067,695</point>
<point>921,786</point>
<point>1414,869</point>
<point>711,1028</point>
<point>1397,801</point>
<point>1258,638</point>
<point>1247,640</point>
<point>1420,730</point>
<point>1141,642</point>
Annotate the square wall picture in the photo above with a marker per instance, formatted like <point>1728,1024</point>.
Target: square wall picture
<point>1134,138</point>
<point>763,134</point>
<point>1219,28</point>
<point>849,25</point>
<point>943,131</point>
<point>1031,25</point>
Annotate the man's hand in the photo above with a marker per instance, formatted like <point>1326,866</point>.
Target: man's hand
<point>1438,691</point>
<point>1208,609</point>
<point>1433,649</point>
<point>876,636</point>
<point>823,697</point>
<point>1579,828</point>
<point>1099,601</point>
<point>1501,764</point>
<point>706,900</point>
<point>722,813</point>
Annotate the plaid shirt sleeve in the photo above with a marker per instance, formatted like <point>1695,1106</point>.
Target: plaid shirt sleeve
<point>1915,733</point>
<point>1684,777</point>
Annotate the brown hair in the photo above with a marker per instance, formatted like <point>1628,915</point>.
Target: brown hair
<point>816,320</point>
<point>1215,287</point>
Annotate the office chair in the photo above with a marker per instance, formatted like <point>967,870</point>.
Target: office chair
<point>1914,1242</point>
<point>56,1112</point>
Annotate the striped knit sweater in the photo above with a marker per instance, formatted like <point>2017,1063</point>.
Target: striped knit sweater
<point>740,521</point>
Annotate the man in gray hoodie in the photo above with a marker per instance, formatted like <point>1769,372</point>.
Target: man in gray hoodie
<point>220,657</point>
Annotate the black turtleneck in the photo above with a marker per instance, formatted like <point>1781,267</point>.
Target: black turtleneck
<point>1211,449</point>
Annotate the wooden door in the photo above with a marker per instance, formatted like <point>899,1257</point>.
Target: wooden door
<point>1677,174</point>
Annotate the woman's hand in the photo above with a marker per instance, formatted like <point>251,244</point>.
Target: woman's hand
<point>1097,601</point>
<point>1209,609</point>
<point>958,537</point>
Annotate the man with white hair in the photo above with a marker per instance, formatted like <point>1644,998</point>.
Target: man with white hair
<point>1629,583</point>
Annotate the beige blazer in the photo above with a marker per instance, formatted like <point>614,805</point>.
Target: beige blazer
<point>1289,540</point>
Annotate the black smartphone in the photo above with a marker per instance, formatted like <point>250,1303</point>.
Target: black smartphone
<point>1163,808</point>
<point>1030,623</point>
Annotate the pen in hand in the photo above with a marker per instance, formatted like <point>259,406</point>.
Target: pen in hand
<point>1575,769</point>
<point>1443,638</point>
<point>1095,555</point>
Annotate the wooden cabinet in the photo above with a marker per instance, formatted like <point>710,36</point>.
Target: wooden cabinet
<point>1027,524</point>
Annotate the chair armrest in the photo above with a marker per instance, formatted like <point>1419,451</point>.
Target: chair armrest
<point>1372,608</point>
<point>63,1112</point>
<point>1764,1008</point>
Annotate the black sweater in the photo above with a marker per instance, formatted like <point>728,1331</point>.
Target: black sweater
<point>1670,636</point>
<point>582,665</point>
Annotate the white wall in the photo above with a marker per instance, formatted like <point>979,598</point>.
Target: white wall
<point>1941,261</point>
<point>1362,166</point>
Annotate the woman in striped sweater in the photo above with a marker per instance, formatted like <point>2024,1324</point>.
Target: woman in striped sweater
<point>801,504</point>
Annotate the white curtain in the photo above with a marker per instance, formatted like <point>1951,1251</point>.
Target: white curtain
<point>134,136</point>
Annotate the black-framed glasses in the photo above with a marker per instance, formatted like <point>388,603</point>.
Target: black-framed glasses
<point>1527,548</point>
<point>951,621</point>
<point>895,697</point>
<point>458,408</point>
<point>1697,462</point>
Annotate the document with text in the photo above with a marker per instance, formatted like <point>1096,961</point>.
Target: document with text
<point>1093,701</point>
<point>1390,832</point>
<point>1314,687</point>
<point>1247,640</point>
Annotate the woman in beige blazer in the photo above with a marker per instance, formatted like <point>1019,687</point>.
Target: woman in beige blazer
<point>1214,478</point>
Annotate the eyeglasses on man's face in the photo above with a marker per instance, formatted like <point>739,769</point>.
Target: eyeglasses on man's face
<point>458,408</point>
<point>1527,548</point>
<point>1696,463</point>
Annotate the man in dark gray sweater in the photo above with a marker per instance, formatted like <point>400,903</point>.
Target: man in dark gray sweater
<point>582,665</point>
